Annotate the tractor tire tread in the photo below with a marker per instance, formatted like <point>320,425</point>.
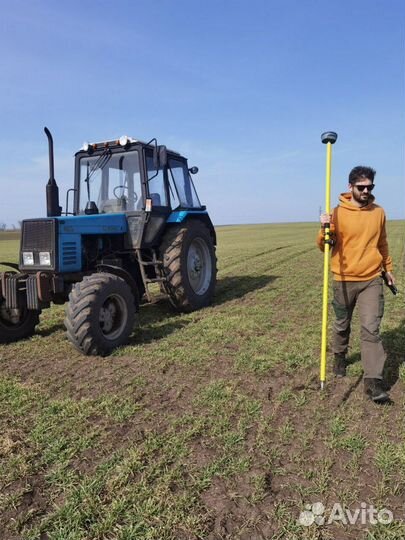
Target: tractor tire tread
<point>80,322</point>
<point>171,251</point>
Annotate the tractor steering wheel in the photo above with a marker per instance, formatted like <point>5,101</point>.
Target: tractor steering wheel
<point>132,200</point>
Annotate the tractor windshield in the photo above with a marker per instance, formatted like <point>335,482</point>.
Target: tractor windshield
<point>112,181</point>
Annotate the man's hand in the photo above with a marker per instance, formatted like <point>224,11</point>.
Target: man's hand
<point>390,278</point>
<point>325,218</point>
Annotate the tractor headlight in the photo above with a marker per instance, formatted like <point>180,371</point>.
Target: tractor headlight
<point>44,258</point>
<point>28,258</point>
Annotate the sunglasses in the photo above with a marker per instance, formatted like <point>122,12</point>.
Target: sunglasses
<point>362,188</point>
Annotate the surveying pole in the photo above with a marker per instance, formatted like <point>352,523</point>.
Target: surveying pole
<point>328,138</point>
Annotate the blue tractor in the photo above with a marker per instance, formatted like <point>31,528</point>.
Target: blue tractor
<point>136,219</point>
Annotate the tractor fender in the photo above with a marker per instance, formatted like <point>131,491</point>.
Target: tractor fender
<point>185,216</point>
<point>122,273</point>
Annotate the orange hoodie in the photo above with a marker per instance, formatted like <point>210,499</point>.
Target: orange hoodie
<point>361,249</point>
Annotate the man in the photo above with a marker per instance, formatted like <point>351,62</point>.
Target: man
<point>359,254</point>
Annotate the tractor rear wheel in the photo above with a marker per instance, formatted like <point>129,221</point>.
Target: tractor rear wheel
<point>190,265</point>
<point>16,324</point>
<point>101,314</point>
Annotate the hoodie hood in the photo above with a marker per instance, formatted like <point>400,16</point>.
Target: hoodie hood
<point>345,201</point>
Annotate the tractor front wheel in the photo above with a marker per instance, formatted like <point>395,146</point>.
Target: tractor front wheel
<point>190,265</point>
<point>16,324</point>
<point>101,314</point>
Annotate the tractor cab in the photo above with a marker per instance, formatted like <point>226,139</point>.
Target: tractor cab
<point>145,181</point>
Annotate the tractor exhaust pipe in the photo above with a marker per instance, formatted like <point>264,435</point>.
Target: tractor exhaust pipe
<point>52,190</point>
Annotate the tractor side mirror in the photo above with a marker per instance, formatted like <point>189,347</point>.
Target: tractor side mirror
<point>193,170</point>
<point>155,158</point>
<point>160,157</point>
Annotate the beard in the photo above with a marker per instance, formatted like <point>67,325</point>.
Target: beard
<point>361,197</point>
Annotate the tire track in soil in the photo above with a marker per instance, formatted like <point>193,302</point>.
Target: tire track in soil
<point>275,263</point>
<point>238,259</point>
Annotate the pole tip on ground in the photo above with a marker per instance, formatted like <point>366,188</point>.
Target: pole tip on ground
<point>329,137</point>
<point>322,385</point>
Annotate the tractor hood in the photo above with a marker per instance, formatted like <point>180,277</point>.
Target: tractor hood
<point>55,244</point>
<point>94,224</point>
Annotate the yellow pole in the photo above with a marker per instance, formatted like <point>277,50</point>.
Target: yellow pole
<point>328,138</point>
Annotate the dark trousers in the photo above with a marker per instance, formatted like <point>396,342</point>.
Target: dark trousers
<point>369,297</point>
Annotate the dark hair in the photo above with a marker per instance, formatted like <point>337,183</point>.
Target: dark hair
<point>361,172</point>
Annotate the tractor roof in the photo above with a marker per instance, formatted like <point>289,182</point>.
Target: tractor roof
<point>123,141</point>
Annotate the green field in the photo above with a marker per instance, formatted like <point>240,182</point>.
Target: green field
<point>9,245</point>
<point>209,425</point>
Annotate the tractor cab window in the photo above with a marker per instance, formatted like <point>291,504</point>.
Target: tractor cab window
<point>182,191</point>
<point>113,181</point>
<point>156,184</point>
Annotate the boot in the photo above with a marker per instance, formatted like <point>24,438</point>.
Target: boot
<point>339,365</point>
<point>374,390</point>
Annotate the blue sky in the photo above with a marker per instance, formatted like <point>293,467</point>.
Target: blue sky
<point>243,89</point>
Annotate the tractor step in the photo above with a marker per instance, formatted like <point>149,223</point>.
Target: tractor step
<point>157,265</point>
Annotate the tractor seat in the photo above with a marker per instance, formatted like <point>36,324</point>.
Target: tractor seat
<point>156,200</point>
